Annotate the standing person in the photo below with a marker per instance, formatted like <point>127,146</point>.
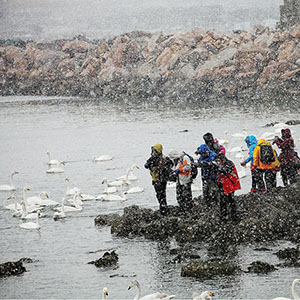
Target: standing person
<point>228,183</point>
<point>160,169</point>
<point>264,157</point>
<point>207,172</point>
<point>183,170</point>
<point>210,142</point>
<point>251,142</point>
<point>287,157</point>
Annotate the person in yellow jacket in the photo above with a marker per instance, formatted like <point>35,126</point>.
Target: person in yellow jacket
<point>160,170</point>
<point>266,163</point>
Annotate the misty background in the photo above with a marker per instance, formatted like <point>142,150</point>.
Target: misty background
<point>42,20</point>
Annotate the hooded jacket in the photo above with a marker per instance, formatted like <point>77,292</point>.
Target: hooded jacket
<point>287,156</point>
<point>251,142</point>
<point>207,171</point>
<point>210,142</point>
<point>159,165</point>
<point>256,157</point>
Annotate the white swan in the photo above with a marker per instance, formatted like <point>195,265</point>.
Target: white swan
<point>31,225</point>
<point>241,135</point>
<point>57,169</point>
<point>225,140</point>
<point>105,294</point>
<point>203,296</point>
<point>116,183</point>
<point>16,207</point>
<point>134,190</point>
<point>70,191</point>
<point>30,208</point>
<point>60,215</point>
<point>295,295</point>
<point>38,200</point>
<point>108,190</point>
<point>11,186</point>
<point>25,215</point>
<point>102,158</point>
<point>153,296</point>
<point>75,208</point>
<point>111,197</point>
<point>129,176</point>
<point>52,161</point>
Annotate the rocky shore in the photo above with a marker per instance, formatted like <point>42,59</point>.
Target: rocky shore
<point>263,218</point>
<point>262,66</point>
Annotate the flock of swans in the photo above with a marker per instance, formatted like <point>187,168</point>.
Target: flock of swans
<point>203,296</point>
<point>31,208</point>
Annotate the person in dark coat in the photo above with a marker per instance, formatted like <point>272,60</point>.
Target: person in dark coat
<point>211,143</point>
<point>287,157</point>
<point>228,183</point>
<point>208,175</point>
<point>160,169</point>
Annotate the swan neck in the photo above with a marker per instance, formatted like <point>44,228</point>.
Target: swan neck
<point>25,198</point>
<point>68,188</point>
<point>138,294</point>
<point>24,209</point>
<point>62,207</point>
<point>37,220</point>
<point>12,183</point>
<point>106,187</point>
<point>48,157</point>
<point>294,293</point>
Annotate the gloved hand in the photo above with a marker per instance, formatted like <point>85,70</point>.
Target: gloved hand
<point>243,164</point>
<point>252,168</point>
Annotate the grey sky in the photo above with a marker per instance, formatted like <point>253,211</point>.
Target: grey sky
<point>51,19</point>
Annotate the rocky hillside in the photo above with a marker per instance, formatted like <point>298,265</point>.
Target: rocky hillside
<point>195,66</point>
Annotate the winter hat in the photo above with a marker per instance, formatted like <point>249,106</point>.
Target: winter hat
<point>173,154</point>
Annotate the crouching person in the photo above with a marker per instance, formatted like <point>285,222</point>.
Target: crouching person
<point>160,169</point>
<point>228,182</point>
<point>183,171</point>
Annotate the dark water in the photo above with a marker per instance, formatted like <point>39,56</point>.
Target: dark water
<point>74,130</point>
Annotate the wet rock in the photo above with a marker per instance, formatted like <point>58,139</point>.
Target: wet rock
<point>12,268</point>
<point>293,122</point>
<point>289,253</point>
<point>260,267</point>
<point>266,217</point>
<point>209,269</point>
<point>26,260</point>
<point>109,259</point>
<point>106,220</point>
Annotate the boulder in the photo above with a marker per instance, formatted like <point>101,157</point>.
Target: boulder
<point>109,259</point>
<point>260,267</point>
<point>209,269</point>
<point>106,220</point>
<point>12,268</point>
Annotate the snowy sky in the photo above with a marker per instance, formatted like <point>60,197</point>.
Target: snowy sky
<point>50,19</point>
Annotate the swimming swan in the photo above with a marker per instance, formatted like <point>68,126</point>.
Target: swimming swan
<point>70,191</point>
<point>134,190</point>
<point>57,169</point>
<point>16,207</point>
<point>129,176</point>
<point>30,208</point>
<point>31,225</point>
<point>11,187</point>
<point>38,200</point>
<point>153,296</point>
<point>295,295</point>
<point>75,208</point>
<point>108,190</point>
<point>203,296</point>
<point>25,215</point>
<point>60,215</point>
<point>105,293</point>
<point>52,161</point>
<point>102,158</point>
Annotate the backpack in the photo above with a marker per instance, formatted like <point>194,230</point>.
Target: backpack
<point>266,154</point>
<point>194,171</point>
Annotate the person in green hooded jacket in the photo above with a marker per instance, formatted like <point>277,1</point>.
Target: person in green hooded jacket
<point>160,170</point>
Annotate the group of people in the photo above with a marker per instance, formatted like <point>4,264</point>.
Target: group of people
<point>218,173</point>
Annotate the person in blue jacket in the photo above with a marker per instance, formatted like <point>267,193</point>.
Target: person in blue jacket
<point>208,175</point>
<point>251,142</point>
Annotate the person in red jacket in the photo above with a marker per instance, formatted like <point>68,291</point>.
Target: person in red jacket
<point>287,157</point>
<point>228,182</point>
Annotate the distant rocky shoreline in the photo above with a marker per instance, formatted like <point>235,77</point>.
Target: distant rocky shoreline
<point>195,66</point>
